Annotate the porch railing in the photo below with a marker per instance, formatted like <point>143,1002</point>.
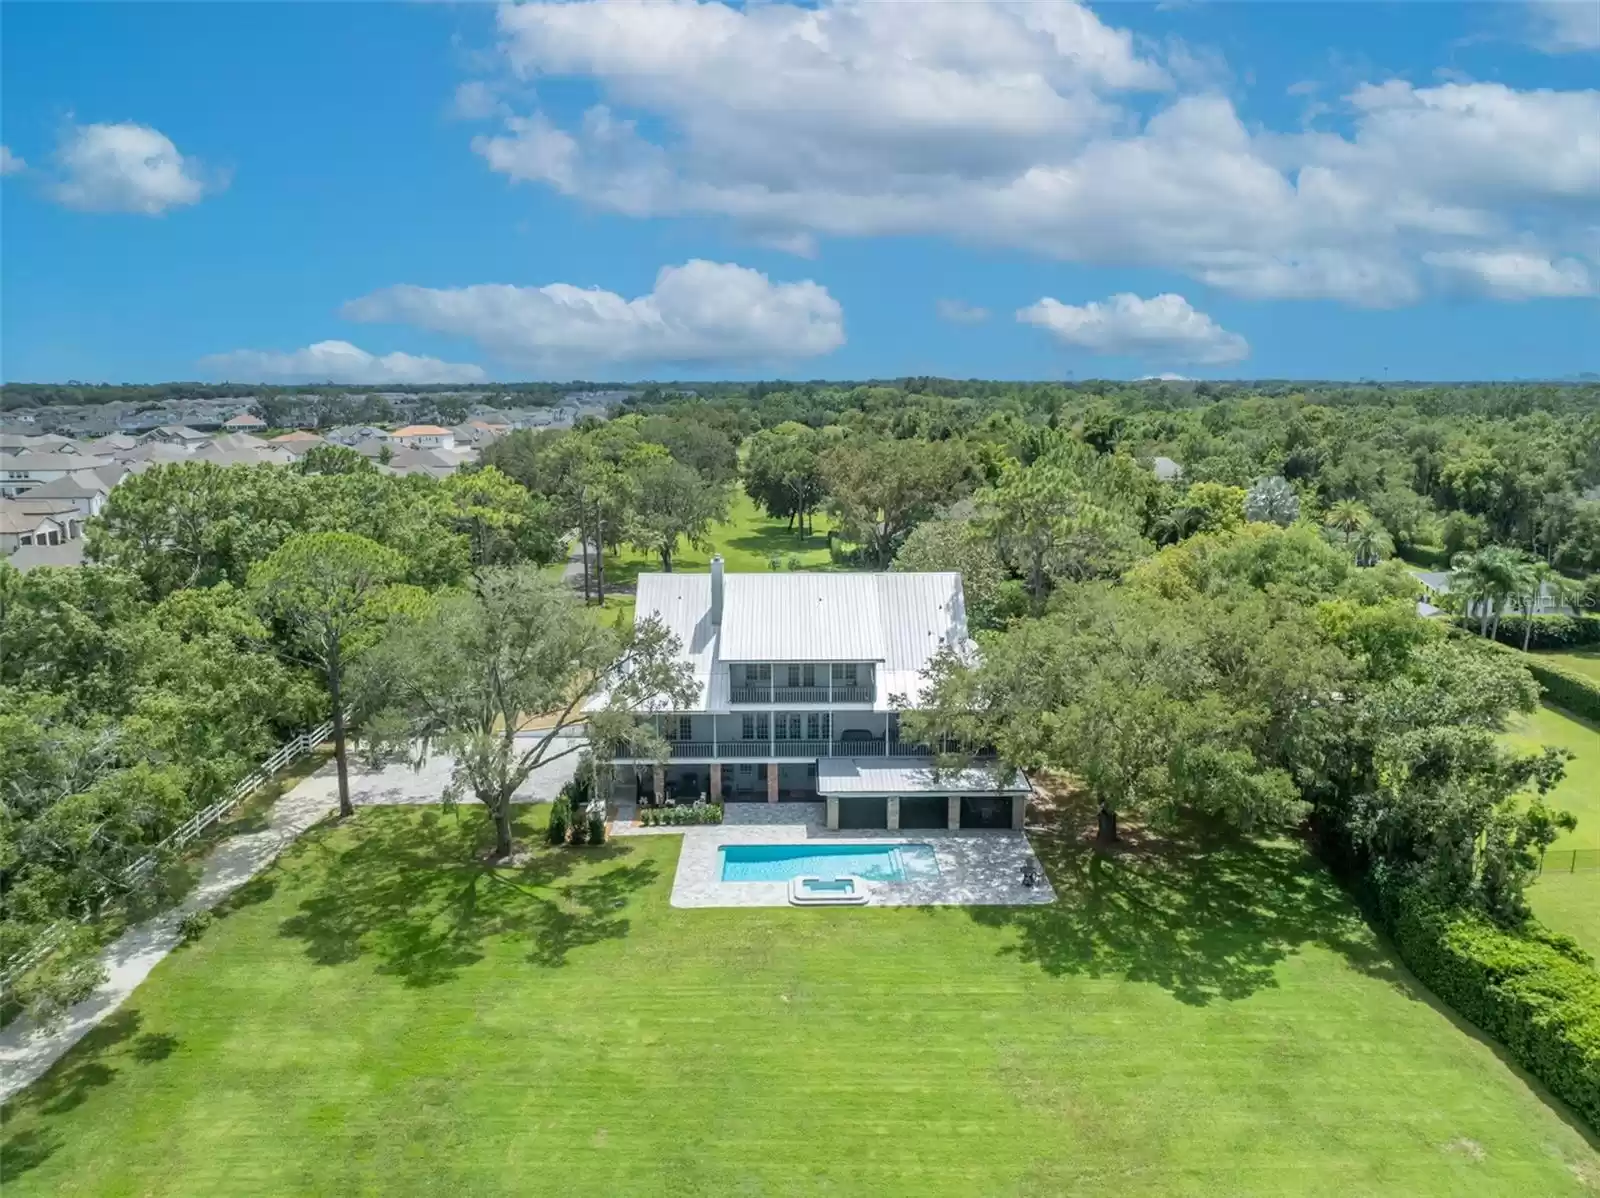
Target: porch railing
<point>801,694</point>
<point>765,750</point>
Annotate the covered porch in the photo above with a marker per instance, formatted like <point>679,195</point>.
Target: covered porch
<point>908,792</point>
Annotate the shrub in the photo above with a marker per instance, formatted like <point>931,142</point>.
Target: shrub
<point>673,817</point>
<point>1560,685</point>
<point>1535,992</point>
<point>1567,688</point>
<point>1551,632</point>
<point>560,821</point>
<point>597,828</point>
<point>580,828</point>
<point>193,925</point>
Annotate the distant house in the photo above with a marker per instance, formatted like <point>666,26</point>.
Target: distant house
<point>436,463</point>
<point>22,472</point>
<point>355,434</point>
<point>114,443</point>
<point>261,453</point>
<point>244,422</point>
<point>1437,585</point>
<point>21,526</point>
<point>298,442</point>
<point>84,491</point>
<point>424,436</point>
<point>479,432</point>
<point>1167,470</point>
<point>178,434</point>
<point>47,443</point>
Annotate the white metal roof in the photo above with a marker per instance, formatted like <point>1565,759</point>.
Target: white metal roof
<point>911,775</point>
<point>898,621</point>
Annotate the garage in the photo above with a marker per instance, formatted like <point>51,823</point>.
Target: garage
<point>913,794</point>
<point>986,811</point>
<point>863,811</point>
<point>924,811</point>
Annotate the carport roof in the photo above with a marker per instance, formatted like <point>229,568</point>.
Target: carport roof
<point>914,776</point>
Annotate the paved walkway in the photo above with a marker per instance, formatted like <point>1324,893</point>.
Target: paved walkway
<point>27,1050</point>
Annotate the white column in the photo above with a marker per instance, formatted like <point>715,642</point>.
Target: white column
<point>894,813</point>
<point>954,820</point>
<point>833,812</point>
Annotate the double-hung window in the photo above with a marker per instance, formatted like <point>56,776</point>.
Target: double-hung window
<point>844,673</point>
<point>754,726</point>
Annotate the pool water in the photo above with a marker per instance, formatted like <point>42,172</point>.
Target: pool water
<point>874,862</point>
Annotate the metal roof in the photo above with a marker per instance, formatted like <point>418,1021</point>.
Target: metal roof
<point>911,775</point>
<point>898,621</point>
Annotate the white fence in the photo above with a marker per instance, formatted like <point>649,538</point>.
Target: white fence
<point>191,828</point>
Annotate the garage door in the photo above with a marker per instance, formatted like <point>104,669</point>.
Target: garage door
<point>925,811</point>
<point>863,813</point>
<point>986,813</point>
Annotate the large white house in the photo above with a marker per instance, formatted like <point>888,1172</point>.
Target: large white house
<point>802,681</point>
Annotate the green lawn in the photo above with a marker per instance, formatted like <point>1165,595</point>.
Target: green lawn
<point>1569,902</point>
<point>378,1015</point>
<point>747,541</point>
<point>1584,661</point>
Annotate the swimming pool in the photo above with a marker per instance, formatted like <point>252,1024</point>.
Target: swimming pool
<point>874,862</point>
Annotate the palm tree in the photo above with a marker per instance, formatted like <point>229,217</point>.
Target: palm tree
<point>1486,578</point>
<point>1540,577</point>
<point>1349,517</point>
<point>1372,543</point>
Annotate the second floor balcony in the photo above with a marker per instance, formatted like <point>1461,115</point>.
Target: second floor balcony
<point>769,692</point>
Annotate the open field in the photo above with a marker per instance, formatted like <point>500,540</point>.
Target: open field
<point>379,1014</point>
<point>1570,902</point>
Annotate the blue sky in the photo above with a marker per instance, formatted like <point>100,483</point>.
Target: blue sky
<point>399,192</point>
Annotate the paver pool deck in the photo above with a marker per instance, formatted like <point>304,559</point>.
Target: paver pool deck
<point>975,868</point>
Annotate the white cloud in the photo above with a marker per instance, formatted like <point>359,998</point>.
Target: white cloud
<point>337,362</point>
<point>1515,274</point>
<point>1164,326</point>
<point>10,164</point>
<point>124,168</point>
<point>1565,26</point>
<point>475,100</point>
<point>1009,123</point>
<point>701,313</point>
<point>958,312</point>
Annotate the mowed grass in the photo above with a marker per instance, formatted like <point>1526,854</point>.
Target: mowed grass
<point>1569,900</point>
<point>1583,661</point>
<point>380,1015</point>
<point>747,540</point>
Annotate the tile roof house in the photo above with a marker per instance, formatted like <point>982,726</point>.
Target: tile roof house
<point>178,434</point>
<point>21,526</point>
<point>298,442</point>
<point>22,472</point>
<point>244,422</point>
<point>802,680</point>
<point>424,436</point>
<point>84,491</point>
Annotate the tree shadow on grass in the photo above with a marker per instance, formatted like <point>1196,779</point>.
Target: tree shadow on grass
<point>1204,915</point>
<point>91,1064</point>
<point>410,890</point>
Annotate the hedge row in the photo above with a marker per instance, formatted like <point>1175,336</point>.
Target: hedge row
<point>1566,687</point>
<point>1534,991</point>
<point>1560,684</point>
<point>1551,632</point>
